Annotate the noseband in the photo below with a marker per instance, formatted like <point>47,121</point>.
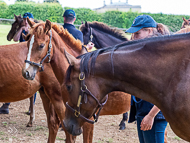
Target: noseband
<point>47,55</point>
<point>84,90</point>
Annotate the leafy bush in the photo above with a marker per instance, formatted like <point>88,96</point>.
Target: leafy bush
<point>54,12</point>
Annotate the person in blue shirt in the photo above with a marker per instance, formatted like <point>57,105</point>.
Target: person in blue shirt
<point>151,123</point>
<point>18,37</point>
<point>69,19</point>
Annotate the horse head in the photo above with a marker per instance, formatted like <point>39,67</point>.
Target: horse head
<point>101,34</point>
<point>185,23</point>
<point>82,103</point>
<point>85,29</point>
<point>15,27</point>
<point>39,48</point>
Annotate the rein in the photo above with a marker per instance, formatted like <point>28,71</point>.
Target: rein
<point>84,90</point>
<point>47,55</point>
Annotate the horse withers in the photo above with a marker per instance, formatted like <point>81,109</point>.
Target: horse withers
<point>154,69</point>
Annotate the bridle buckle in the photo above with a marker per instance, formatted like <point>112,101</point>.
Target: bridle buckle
<point>82,77</point>
<point>77,113</point>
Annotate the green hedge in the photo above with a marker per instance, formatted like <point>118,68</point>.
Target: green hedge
<point>54,12</point>
<point>51,11</point>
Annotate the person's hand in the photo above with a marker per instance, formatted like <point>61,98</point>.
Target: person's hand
<point>89,46</point>
<point>147,123</point>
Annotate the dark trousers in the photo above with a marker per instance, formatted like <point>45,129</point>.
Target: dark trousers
<point>155,135</point>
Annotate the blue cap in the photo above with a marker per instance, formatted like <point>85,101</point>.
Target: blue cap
<point>29,15</point>
<point>142,21</point>
<point>69,13</point>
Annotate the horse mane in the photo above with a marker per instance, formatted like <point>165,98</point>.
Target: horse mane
<point>91,56</point>
<point>67,37</point>
<point>63,33</point>
<point>105,28</point>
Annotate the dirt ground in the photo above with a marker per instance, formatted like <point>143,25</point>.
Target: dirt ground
<point>13,127</point>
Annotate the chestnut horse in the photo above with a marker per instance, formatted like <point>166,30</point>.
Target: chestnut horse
<point>153,69</point>
<point>60,39</point>
<point>17,24</point>
<point>185,23</point>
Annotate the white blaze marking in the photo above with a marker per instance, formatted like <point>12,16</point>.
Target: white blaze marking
<point>30,50</point>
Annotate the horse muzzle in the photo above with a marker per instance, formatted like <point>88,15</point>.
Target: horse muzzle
<point>28,75</point>
<point>72,128</point>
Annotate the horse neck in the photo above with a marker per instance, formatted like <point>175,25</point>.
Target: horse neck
<point>59,62</point>
<point>104,39</point>
<point>143,71</point>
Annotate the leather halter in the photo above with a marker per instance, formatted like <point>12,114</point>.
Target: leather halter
<point>84,90</point>
<point>47,55</point>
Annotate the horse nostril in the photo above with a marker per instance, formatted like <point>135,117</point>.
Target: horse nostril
<point>27,74</point>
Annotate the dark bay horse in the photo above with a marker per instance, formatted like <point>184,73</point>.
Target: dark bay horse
<point>39,39</point>
<point>17,24</point>
<point>13,87</point>
<point>97,31</point>
<point>155,69</point>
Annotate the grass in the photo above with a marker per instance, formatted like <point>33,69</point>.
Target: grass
<point>4,30</point>
<point>58,138</point>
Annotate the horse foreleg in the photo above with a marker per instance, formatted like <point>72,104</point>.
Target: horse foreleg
<point>32,112</point>
<point>88,132</point>
<point>122,123</point>
<point>52,119</point>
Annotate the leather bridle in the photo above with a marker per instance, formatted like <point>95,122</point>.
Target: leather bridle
<point>47,55</point>
<point>91,36</point>
<point>84,90</point>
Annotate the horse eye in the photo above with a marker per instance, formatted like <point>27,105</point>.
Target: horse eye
<point>42,45</point>
<point>69,87</point>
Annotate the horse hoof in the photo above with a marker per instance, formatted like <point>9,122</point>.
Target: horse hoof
<point>27,113</point>
<point>29,125</point>
<point>122,128</point>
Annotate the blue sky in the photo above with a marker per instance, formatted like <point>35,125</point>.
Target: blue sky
<point>152,6</point>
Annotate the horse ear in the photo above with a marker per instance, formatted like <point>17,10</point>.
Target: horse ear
<point>47,26</point>
<point>25,37</point>
<point>86,24</point>
<point>160,28</point>
<point>31,23</point>
<point>185,20</point>
<point>15,17</point>
<point>84,50</point>
<point>71,59</point>
<point>82,22</point>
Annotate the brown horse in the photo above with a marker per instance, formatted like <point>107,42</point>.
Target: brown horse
<point>96,32</point>
<point>15,27</point>
<point>17,24</point>
<point>183,30</point>
<point>40,39</point>
<point>14,87</point>
<point>154,69</point>
<point>185,23</point>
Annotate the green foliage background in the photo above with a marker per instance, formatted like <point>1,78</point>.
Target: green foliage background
<point>54,12</point>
